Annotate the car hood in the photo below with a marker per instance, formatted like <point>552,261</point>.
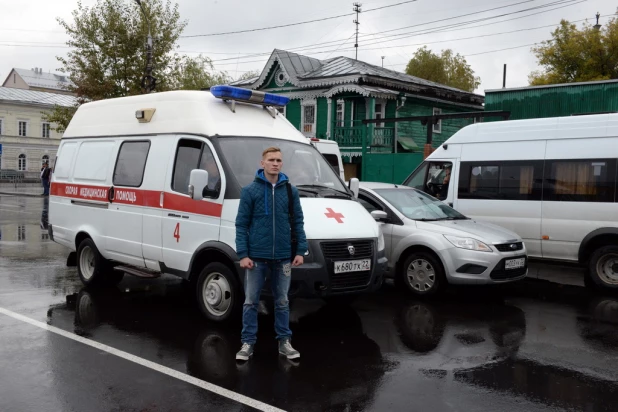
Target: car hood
<point>485,232</point>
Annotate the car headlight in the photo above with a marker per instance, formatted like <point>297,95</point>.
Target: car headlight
<point>381,243</point>
<point>468,243</point>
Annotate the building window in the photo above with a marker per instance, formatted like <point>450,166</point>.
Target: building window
<point>21,232</point>
<point>340,113</point>
<point>23,128</point>
<point>309,119</point>
<point>1,128</point>
<point>437,128</point>
<point>45,130</point>
<point>380,113</point>
<point>21,163</point>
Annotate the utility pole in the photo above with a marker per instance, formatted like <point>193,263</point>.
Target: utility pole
<point>597,26</point>
<point>357,9</point>
<point>148,81</point>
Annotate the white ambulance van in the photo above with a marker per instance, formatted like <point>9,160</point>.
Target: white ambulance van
<point>150,184</point>
<point>550,180</point>
<point>332,154</point>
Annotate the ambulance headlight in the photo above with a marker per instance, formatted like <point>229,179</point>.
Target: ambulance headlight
<point>381,243</point>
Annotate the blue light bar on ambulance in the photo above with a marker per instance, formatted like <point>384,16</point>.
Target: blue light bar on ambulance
<point>250,96</point>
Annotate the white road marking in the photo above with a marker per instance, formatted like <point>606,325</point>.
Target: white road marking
<point>152,365</point>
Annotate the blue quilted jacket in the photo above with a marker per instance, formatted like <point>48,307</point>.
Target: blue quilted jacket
<point>262,224</point>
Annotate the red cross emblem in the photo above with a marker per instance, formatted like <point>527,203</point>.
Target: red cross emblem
<point>333,215</point>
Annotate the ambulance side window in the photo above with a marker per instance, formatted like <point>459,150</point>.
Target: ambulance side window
<point>187,159</point>
<point>190,155</point>
<point>131,164</point>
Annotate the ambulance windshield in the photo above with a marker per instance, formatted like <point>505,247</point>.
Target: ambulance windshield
<point>302,163</point>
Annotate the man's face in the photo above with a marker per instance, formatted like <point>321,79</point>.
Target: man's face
<point>272,163</point>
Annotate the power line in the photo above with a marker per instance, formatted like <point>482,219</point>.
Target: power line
<point>426,31</point>
<point>295,24</point>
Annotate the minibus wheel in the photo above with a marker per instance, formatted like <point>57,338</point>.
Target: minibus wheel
<point>422,274</point>
<point>218,292</point>
<point>603,267</point>
<point>94,269</point>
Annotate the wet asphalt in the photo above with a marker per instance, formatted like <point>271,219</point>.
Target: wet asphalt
<point>531,346</point>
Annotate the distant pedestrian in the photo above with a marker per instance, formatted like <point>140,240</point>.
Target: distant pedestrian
<point>45,176</point>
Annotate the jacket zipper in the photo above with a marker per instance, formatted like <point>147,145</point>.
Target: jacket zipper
<point>274,233</point>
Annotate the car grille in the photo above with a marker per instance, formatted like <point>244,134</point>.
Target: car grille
<point>339,250</point>
<point>350,281</point>
<point>500,273</point>
<point>508,247</point>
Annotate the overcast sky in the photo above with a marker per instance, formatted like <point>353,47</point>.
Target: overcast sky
<point>31,37</point>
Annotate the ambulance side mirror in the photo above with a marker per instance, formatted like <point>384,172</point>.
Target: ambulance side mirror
<point>354,185</point>
<point>197,182</point>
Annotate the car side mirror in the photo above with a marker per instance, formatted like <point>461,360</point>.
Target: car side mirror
<point>379,215</point>
<point>197,182</point>
<point>354,186</point>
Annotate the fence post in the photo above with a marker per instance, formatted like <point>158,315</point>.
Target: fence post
<point>363,151</point>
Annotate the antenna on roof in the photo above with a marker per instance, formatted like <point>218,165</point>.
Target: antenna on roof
<point>357,9</point>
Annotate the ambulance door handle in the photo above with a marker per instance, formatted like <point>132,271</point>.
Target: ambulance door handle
<point>161,199</point>
<point>110,194</point>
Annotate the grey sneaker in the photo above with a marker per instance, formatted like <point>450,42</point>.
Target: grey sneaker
<point>286,349</point>
<point>245,352</point>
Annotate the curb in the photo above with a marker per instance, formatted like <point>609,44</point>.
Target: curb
<point>20,194</point>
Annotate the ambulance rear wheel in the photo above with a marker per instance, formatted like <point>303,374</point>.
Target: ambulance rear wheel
<point>94,269</point>
<point>218,293</point>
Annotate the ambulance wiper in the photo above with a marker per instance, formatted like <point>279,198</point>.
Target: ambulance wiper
<point>322,187</point>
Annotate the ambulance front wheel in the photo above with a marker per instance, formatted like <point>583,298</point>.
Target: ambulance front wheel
<point>218,292</point>
<point>94,269</point>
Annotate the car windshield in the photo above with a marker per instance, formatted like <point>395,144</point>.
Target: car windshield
<point>417,205</point>
<point>302,163</point>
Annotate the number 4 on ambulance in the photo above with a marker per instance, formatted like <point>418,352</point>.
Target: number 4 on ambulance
<point>177,232</point>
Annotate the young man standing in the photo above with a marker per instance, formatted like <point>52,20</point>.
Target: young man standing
<point>264,244</point>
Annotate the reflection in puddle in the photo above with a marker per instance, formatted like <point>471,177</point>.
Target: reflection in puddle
<point>165,328</point>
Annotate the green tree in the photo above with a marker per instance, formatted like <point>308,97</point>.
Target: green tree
<point>577,55</point>
<point>447,68</point>
<point>108,53</point>
<point>196,74</point>
<point>249,75</point>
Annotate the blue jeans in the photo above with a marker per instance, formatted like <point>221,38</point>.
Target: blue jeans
<point>280,272</point>
<point>45,186</point>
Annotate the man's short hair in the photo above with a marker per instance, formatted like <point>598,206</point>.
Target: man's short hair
<point>270,150</point>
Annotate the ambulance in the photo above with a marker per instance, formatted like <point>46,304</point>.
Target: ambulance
<point>150,185</point>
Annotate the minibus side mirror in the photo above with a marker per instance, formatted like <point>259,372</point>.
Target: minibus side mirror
<point>197,182</point>
<point>354,185</point>
<point>379,215</point>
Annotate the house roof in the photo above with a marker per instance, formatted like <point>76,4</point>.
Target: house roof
<point>345,66</point>
<point>44,80</point>
<point>294,65</point>
<point>8,94</point>
<point>309,73</point>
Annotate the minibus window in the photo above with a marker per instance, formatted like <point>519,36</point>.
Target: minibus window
<point>187,159</point>
<point>581,180</point>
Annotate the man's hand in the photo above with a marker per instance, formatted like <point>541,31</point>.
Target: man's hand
<point>246,263</point>
<point>298,260</point>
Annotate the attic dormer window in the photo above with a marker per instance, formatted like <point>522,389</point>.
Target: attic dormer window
<point>280,78</point>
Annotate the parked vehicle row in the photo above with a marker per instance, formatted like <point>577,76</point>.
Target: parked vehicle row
<point>150,184</point>
<point>552,181</point>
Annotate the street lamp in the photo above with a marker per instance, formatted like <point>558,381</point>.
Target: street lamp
<point>148,81</point>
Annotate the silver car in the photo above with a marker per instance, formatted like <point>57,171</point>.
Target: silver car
<point>430,245</point>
